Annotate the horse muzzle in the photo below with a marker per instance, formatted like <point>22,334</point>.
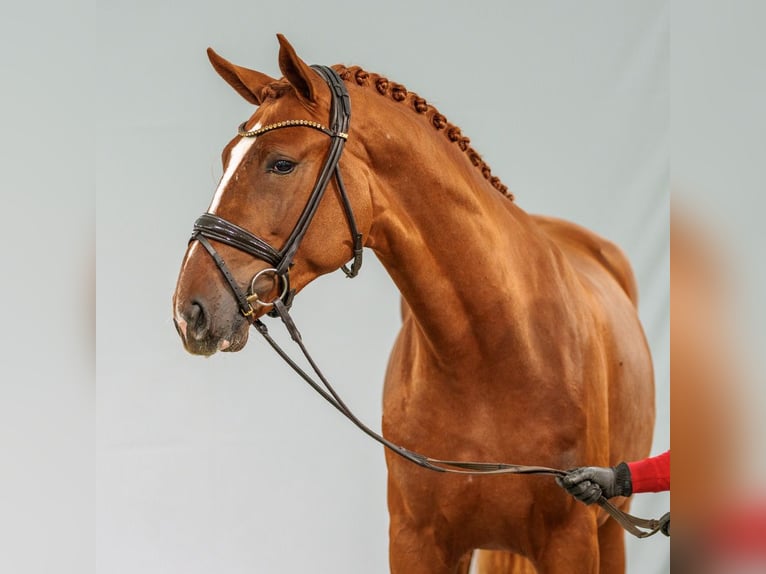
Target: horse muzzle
<point>201,335</point>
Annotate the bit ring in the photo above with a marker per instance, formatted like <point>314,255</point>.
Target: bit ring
<point>253,297</point>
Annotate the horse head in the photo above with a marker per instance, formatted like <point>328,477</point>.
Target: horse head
<point>281,214</point>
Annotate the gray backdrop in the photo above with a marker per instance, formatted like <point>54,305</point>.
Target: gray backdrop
<point>230,464</point>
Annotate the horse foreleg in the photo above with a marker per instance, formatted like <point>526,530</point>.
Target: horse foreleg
<point>500,562</point>
<point>464,564</point>
<point>417,551</point>
<point>572,547</point>
<point>418,546</point>
<point>611,542</point>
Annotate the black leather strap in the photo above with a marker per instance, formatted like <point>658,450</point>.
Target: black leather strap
<point>244,304</point>
<point>213,227</point>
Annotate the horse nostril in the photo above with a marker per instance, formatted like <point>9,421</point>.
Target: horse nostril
<point>197,322</point>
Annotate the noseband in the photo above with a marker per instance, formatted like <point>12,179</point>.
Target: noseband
<point>210,226</point>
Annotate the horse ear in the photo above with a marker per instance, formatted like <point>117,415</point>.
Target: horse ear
<point>301,77</point>
<point>248,83</point>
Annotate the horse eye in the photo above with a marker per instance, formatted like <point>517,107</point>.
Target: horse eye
<point>282,166</point>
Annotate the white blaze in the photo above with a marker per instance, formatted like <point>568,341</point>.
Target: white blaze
<point>235,159</point>
<point>238,153</point>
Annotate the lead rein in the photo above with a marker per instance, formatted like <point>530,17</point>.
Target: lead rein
<point>638,527</point>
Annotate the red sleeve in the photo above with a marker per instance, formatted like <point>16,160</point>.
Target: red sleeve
<point>651,474</point>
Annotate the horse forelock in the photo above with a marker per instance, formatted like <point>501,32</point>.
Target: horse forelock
<point>399,93</point>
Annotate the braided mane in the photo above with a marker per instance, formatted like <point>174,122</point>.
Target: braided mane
<point>399,93</point>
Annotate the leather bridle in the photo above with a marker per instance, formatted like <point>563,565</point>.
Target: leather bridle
<point>210,226</point>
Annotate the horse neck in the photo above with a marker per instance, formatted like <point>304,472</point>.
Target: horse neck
<point>464,257</point>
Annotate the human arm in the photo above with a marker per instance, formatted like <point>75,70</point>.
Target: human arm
<point>589,483</point>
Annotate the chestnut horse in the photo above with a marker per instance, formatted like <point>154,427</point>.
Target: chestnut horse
<point>520,340</point>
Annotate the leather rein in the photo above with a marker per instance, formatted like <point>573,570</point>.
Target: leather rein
<point>210,226</point>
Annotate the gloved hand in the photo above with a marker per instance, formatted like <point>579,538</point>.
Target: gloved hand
<point>588,483</point>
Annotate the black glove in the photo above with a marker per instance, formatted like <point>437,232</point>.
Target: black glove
<point>588,483</point>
